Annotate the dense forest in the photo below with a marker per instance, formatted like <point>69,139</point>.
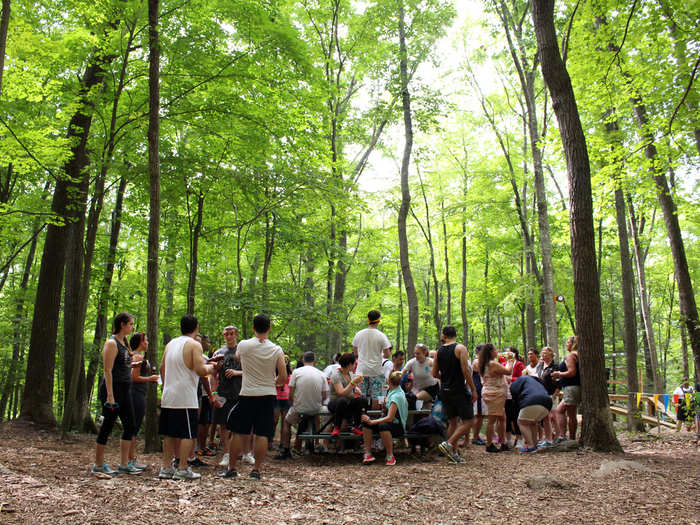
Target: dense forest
<point>316,159</point>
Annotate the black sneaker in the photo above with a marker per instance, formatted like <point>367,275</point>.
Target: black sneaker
<point>492,448</point>
<point>255,474</point>
<point>231,473</point>
<point>504,448</point>
<point>196,462</point>
<point>283,454</point>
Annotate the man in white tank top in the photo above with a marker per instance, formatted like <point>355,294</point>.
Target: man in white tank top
<point>181,367</point>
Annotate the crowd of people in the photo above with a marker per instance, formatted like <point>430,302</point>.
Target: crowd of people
<point>244,390</point>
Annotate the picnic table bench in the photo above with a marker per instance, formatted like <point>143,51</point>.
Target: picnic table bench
<point>310,433</point>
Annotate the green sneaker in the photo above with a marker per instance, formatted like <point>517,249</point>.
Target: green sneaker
<point>139,466</point>
<point>103,469</point>
<point>129,469</point>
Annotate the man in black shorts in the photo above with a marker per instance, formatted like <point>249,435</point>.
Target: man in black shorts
<point>181,367</point>
<point>254,411</point>
<point>451,366</point>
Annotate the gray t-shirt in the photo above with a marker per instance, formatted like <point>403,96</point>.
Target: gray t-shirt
<point>309,384</point>
<point>338,377</point>
<point>259,364</point>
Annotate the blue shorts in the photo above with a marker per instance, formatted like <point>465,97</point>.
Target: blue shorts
<point>371,387</point>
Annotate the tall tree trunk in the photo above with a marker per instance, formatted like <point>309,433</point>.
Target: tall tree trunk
<point>686,296</point>
<point>684,352</point>
<point>37,398</point>
<point>487,309</point>
<point>629,335</point>
<point>4,27</point>
<point>194,253</point>
<point>270,231</point>
<point>597,429</point>
<point>104,289</point>
<point>17,331</point>
<point>150,428</point>
<point>448,313</point>
<point>527,83</point>
<point>644,301</point>
<point>411,295</point>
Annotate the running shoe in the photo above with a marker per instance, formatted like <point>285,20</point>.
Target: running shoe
<point>103,469</point>
<point>166,473</point>
<point>528,450</point>
<point>560,439</point>
<point>283,454</point>
<point>390,461</point>
<point>492,448</point>
<point>356,431</point>
<point>224,461</point>
<point>249,458</point>
<point>196,462</point>
<point>206,452</point>
<point>478,442</point>
<point>186,474</point>
<point>175,464</point>
<point>545,443</point>
<point>369,458</point>
<point>504,448</point>
<point>139,466</point>
<point>336,431</point>
<point>230,473</point>
<point>446,448</point>
<point>128,469</point>
<point>296,452</point>
<point>254,474</point>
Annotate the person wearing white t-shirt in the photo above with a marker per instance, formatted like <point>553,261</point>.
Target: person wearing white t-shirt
<point>420,366</point>
<point>328,371</point>
<point>308,391</point>
<point>259,358</point>
<point>684,413</point>
<point>370,345</point>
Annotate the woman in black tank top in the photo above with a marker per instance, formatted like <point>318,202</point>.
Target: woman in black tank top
<point>141,375</point>
<point>115,396</point>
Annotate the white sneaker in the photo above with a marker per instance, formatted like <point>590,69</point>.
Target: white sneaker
<point>224,461</point>
<point>249,458</point>
<point>186,474</point>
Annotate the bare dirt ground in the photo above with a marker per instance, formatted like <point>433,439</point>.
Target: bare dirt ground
<point>45,480</point>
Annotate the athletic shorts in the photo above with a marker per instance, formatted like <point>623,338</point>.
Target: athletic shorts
<point>282,404</point>
<point>432,390</point>
<point>396,429</point>
<point>221,413</point>
<point>457,404</point>
<point>371,387</point>
<point>533,413</point>
<point>253,413</point>
<point>178,423</point>
<point>294,417</point>
<point>572,395</point>
<point>205,411</point>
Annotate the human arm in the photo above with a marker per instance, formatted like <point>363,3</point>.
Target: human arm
<point>570,368</point>
<point>435,371</point>
<point>463,355</point>
<point>197,363</point>
<point>497,368</point>
<point>291,394</point>
<point>281,370</point>
<point>109,353</point>
<point>344,391</point>
<point>390,416</point>
<point>136,376</point>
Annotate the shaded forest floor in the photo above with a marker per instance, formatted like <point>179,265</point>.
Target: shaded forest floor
<point>46,480</point>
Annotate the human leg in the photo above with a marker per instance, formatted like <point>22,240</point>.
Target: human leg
<point>572,420</point>
<point>388,442</point>
<point>259,450</point>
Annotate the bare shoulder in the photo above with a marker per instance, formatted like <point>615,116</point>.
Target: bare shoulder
<point>461,350</point>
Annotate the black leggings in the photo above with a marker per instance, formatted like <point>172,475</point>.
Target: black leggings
<point>125,411</point>
<point>347,408</point>
<point>512,417</point>
<point>138,399</point>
